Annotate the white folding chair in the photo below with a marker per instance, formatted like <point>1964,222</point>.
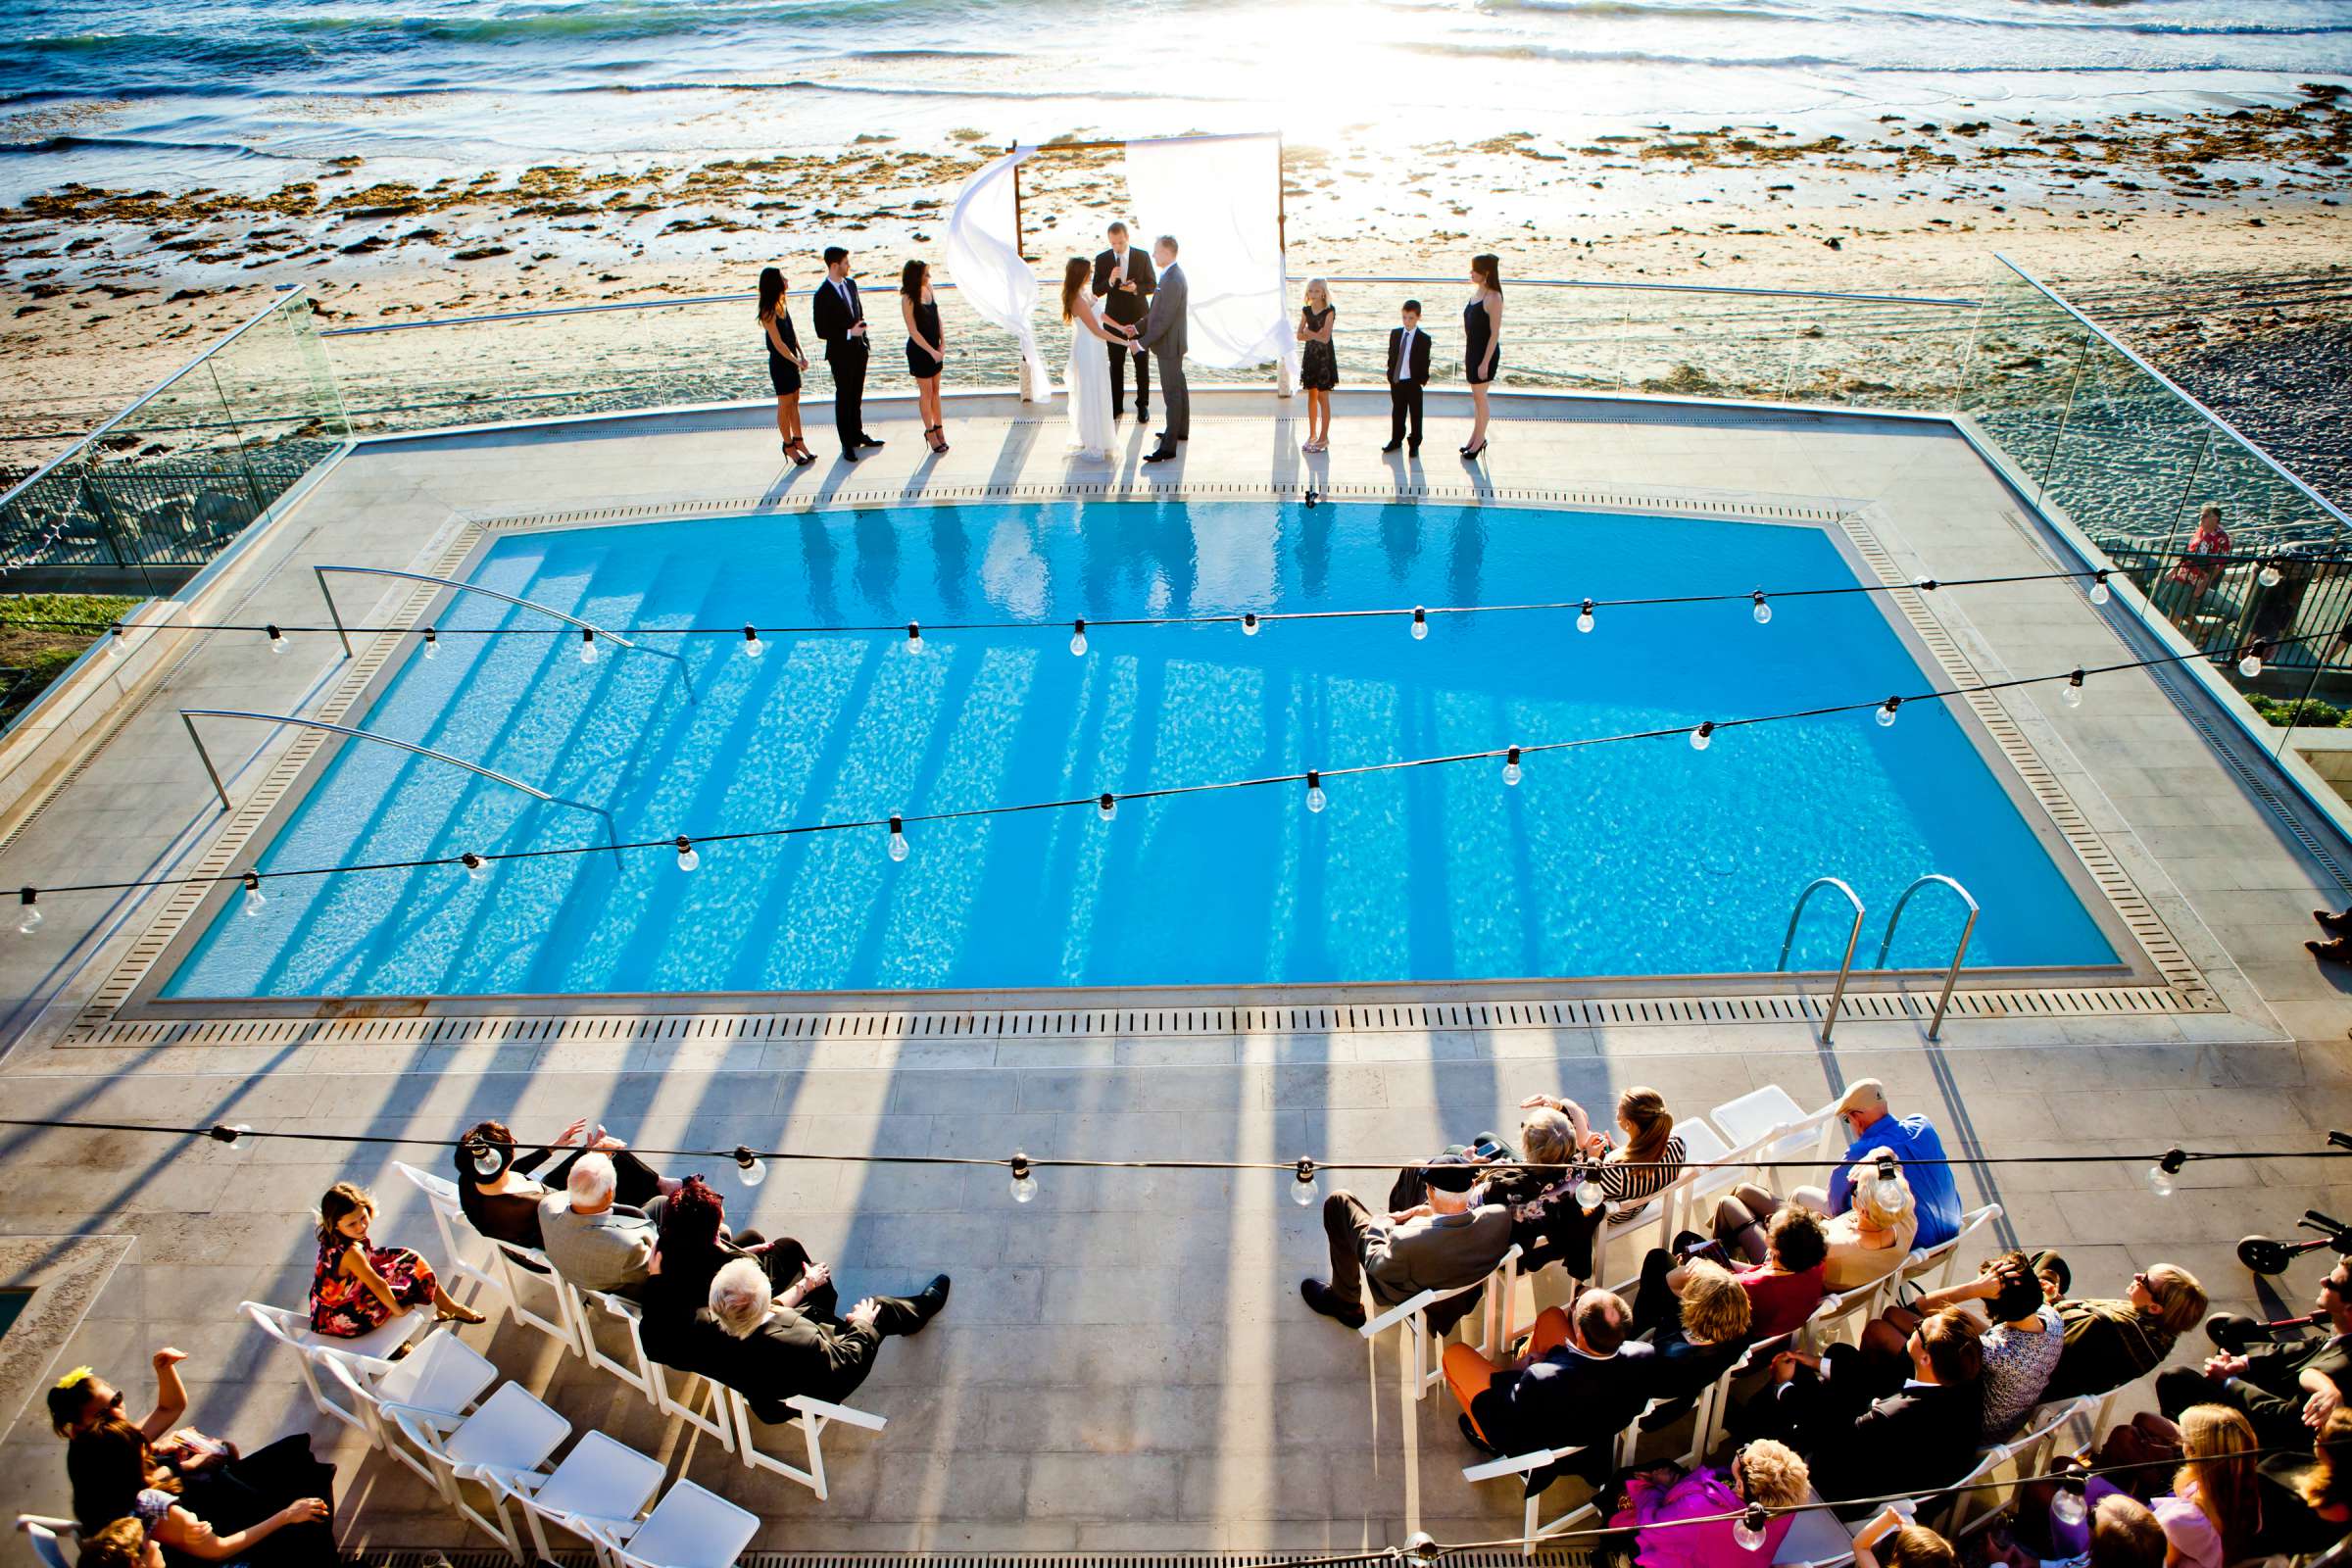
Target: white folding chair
<point>1975,1499</point>
<point>2032,1445</point>
<point>472,1261</point>
<point>1816,1539</point>
<point>1420,1359</point>
<point>1842,1316</point>
<point>811,1415</point>
<point>1943,1258</point>
<point>706,1410</point>
<point>1714,1401</point>
<point>602,1484</point>
<point>368,1355</point>
<point>1702,1147</point>
<point>521,1269</point>
<point>1532,1526</point>
<point>48,1537</point>
<point>441,1378</point>
<point>689,1528</point>
<point>1761,1113</point>
<point>637,1371</point>
<point>511,1435</point>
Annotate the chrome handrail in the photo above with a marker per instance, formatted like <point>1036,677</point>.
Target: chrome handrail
<point>1847,966</point>
<point>460,586</point>
<point>189,716</point>
<point>1967,929</point>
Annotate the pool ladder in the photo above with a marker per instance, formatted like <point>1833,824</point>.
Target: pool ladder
<point>1846,965</point>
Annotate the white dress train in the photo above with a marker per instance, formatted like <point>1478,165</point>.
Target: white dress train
<point>1091,428</point>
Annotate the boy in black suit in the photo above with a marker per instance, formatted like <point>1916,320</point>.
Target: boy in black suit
<point>1408,373</point>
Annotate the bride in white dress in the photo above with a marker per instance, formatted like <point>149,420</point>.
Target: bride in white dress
<point>1091,428</point>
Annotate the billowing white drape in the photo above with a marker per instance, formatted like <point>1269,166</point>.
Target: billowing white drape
<point>984,261</point>
<point>1222,199</point>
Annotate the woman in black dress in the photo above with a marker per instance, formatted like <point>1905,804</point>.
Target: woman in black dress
<point>785,362</point>
<point>1318,363</point>
<point>1482,338</point>
<point>925,353</point>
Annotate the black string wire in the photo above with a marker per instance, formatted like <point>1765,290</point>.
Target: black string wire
<point>901,820</point>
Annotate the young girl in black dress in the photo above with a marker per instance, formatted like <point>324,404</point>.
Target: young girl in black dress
<point>1482,339</point>
<point>926,353</point>
<point>785,362</point>
<point>1318,363</point>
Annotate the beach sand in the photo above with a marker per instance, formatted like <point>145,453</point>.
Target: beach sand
<point>2216,242</point>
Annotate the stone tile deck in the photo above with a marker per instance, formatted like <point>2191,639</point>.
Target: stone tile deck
<point>1125,1363</point>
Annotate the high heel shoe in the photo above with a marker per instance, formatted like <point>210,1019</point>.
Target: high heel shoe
<point>1475,451</point>
<point>800,454</point>
<point>937,436</point>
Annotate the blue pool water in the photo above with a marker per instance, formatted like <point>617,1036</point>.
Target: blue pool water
<point>1642,858</point>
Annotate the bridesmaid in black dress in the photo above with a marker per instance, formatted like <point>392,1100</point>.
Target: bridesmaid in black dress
<point>785,362</point>
<point>1481,340</point>
<point>926,353</point>
<point>1318,364</point>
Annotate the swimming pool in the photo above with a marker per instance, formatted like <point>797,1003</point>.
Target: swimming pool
<point>1637,858</point>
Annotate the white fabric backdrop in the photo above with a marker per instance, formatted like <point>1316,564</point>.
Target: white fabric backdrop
<point>1222,199</point>
<point>985,262</point>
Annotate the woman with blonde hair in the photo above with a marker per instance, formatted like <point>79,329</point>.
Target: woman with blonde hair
<point>358,1287</point>
<point>1093,427</point>
<point>1318,363</point>
<point>1688,1521</point>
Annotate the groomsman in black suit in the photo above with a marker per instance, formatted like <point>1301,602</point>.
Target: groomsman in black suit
<point>841,322</point>
<point>1408,373</point>
<point>1124,282</point>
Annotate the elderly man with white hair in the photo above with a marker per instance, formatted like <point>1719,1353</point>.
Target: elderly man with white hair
<point>594,1242</point>
<point>1912,1140</point>
<point>769,1350</point>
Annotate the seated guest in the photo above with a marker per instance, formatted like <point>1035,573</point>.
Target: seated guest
<point>2123,1534</point>
<point>696,1244</point>
<point>1916,1439</point>
<point>2020,1346</point>
<point>1912,1140</point>
<point>769,1349</point>
<point>1649,1162</point>
<point>1788,1282</point>
<point>1892,1540</point>
<point>1401,1255</point>
<point>114,1477</point>
<point>358,1287</point>
<point>1862,1244</point>
<point>2306,1498</point>
<point>2109,1343</point>
<point>81,1399</point>
<point>2285,1390</point>
<point>1764,1472</point>
<point>596,1241</point>
<point>2214,1513</point>
<point>1577,1385</point>
<point>1695,1329</point>
<point>1488,1170</point>
<point>504,1204</point>
<point>121,1544</point>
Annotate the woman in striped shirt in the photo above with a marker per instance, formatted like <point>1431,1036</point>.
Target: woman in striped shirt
<point>1651,1160</point>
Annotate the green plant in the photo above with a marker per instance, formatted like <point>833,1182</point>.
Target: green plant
<point>2303,712</point>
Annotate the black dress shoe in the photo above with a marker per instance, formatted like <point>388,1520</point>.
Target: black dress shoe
<point>2330,920</point>
<point>1414,451</point>
<point>1320,1298</point>
<point>1162,455</point>
<point>868,441</point>
<point>1142,414</point>
<point>1391,446</point>
<point>933,1300</point>
<point>851,454</point>
<point>1476,1442</point>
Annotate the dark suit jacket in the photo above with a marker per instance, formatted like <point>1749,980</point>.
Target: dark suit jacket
<point>833,320</point>
<point>1124,307</point>
<point>791,1353</point>
<point>1420,368</point>
<point>1164,323</point>
<point>1564,1400</point>
<point>1917,1439</point>
<point>2267,1391</point>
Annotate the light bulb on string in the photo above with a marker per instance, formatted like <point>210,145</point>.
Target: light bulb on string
<point>2269,576</point>
<point>114,642</point>
<point>477,869</point>
<point>29,921</point>
<point>898,839</point>
<point>277,639</point>
<point>1584,617</point>
<point>2251,664</point>
<point>1316,800</point>
<point>1761,607</point>
<point>688,859</point>
<point>2168,1165</point>
<point>1703,736</point>
<point>1303,1187</point>
<point>2070,694</point>
<point>1510,767</point>
<point>587,645</point>
<point>231,1133</point>
<point>2100,593</point>
<point>1420,623</point>
<point>1887,712</point>
<point>1926,585</point>
<point>750,1167</point>
<point>489,1160</point>
<point>1589,1195</point>
<point>1421,1550</point>
<point>2070,1507</point>
<point>753,647</point>
<point>1078,638</point>
<point>1748,1529</point>
<point>1106,806</point>
<point>253,897</point>
<point>914,636</point>
<point>432,643</point>
<point>1024,1185</point>
<point>1248,623</point>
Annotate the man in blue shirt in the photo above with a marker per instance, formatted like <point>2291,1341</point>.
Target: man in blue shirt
<point>1912,1140</point>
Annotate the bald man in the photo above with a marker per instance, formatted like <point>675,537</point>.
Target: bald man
<point>1867,1120</point>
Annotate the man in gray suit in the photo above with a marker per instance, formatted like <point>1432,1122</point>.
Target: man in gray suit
<point>1163,336</point>
<point>595,1243</point>
<point>1403,1257</point>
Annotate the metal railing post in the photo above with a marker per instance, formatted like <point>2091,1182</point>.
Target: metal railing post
<point>1846,965</point>
<point>1951,973</point>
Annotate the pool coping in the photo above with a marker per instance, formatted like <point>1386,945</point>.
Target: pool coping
<point>2154,973</point>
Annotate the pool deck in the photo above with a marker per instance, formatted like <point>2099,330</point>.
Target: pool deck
<point>1125,1363</point>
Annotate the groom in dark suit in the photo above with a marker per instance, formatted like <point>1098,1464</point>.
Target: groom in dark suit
<point>1164,338</point>
<point>841,322</point>
<point>1408,373</point>
<point>1124,282</point>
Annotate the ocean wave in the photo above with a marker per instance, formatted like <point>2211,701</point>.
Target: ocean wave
<point>2051,22</point>
<point>66,143</point>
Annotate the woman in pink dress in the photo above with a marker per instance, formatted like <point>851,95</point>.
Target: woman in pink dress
<point>1763,1472</point>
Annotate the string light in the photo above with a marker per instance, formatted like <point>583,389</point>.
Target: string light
<point>750,1167</point>
<point>1078,638</point>
<point>30,919</point>
<point>1421,1550</point>
<point>898,839</point>
<point>1316,800</point>
<point>1248,623</point>
<point>2269,576</point>
<point>1302,1189</point>
<point>1584,617</point>
<point>2100,593</point>
<point>2070,693</point>
<point>587,645</point>
<point>1748,1529</point>
<point>1887,712</point>
<point>476,869</point>
<point>689,859</point>
<point>232,1134</point>
<point>432,643</point>
<point>1420,623</point>
<point>253,897</point>
<point>1589,1193</point>
<point>1510,767</point>
<point>1703,736</point>
<point>488,1158</point>
<point>2168,1166</point>
<point>1926,585</point>
<point>2251,664</point>
<point>2070,1506</point>
<point>1761,610</point>
<point>914,636</point>
<point>277,639</point>
<point>1106,806</point>
<point>114,642</point>
<point>1024,1185</point>
<point>753,647</point>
